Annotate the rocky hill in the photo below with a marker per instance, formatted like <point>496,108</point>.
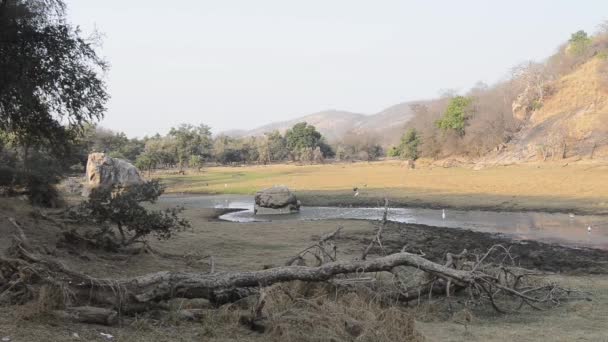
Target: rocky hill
<point>571,121</point>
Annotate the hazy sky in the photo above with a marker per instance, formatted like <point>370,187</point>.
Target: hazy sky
<point>241,64</point>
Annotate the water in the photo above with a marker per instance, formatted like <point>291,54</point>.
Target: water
<point>547,227</point>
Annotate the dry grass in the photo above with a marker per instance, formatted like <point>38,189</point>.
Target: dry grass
<point>579,187</point>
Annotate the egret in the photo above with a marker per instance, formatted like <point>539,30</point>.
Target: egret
<point>356,190</point>
<point>571,215</point>
<point>589,229</point>
<point>443,214</point>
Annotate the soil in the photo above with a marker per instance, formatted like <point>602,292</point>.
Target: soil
<point>435,242</point>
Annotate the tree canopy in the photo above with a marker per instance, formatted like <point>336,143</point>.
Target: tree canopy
<point>456,115</point>
<point>50,81</point>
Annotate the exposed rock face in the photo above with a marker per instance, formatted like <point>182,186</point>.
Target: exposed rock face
<point>106,171</point>
<point>276,200</point>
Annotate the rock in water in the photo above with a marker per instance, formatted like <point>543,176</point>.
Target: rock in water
<point>105,171</point>
<point>276,200</point>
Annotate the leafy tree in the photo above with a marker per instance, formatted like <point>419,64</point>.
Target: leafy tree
<point>306,155</point>
<point>50,88</point>
<point>277,146</point>
<point>579,42</point>
<point>393,152</point>
<point>49,75</point>
<point>317,156</point>
<point>408,148</point>
<point>304,136</point>
<point>196,161</point>
<point>456,115</point>
<point>121,208</point>
<point>191,140</point>
<point>146,161</point>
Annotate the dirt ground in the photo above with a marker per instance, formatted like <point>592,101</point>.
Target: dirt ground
<point>253,246</point>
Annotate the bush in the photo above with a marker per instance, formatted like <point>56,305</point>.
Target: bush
<point>121,207</point>
<point>456,115</point>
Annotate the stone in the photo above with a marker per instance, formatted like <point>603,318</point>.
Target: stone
<point>104,171</point>
<point>276,200</point>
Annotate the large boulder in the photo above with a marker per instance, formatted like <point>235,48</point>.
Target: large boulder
<point>104,171</point>
<point>276,200</point>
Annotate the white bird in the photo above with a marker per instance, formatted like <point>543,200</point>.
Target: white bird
<point>589,229</point>
<point>443,214</point>
<point>571,215</point>
<point>356,193</point>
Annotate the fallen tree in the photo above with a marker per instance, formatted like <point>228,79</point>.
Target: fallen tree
<point>88,299</point>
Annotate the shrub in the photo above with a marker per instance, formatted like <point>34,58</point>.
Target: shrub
<point>456,115</point>
<point>579,42</point>
<point>121,207</point>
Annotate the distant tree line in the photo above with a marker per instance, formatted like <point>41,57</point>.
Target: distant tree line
<point>192,146</point>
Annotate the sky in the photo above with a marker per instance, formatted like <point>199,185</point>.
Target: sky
<point>236,64</point>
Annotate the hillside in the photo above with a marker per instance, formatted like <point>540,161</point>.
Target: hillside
<point>333,124</point>
<point>574,117</point>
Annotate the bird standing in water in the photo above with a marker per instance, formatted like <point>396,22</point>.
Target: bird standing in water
<point>589,229</point>
<point>443,214</point>
<point>356,190</point>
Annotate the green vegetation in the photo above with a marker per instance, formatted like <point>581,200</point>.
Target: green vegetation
<point>456,115</point>
<point>409,146</point>
<point>302,139</point>
<point>121,208</point>
<point>50,89</point>
<point>190,141</point>
<point>579,42</point>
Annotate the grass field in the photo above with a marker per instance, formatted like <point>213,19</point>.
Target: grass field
<point>574,187</point>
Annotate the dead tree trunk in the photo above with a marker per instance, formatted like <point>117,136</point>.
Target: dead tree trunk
<point>134,294</point>
<point>97,300</point>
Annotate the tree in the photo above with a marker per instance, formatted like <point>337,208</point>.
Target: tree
<point>306,155</point>
<point>49,75</point>
<point>360,145</point>
<point>277,146</point>
<point>304,136</point>
<point>121,207</point>
<point>317,156</point>
<point>50,88</point>
<point>456,115</point>
<point>191,140</point>
<point>579,42</point>
<point>408,148</point>
<point>146,161</point>
<point>196,162</point>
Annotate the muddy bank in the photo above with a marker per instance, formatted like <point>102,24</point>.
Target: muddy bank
<point>466,202</point>
<point>435,242</point>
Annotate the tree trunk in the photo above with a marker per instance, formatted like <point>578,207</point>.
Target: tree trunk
<point>88,314</point>
<point>134,294</point>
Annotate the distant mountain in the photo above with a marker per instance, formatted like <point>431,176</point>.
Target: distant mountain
<point>334,124</point>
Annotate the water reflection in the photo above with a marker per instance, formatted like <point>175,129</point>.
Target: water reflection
<point>558,228</point>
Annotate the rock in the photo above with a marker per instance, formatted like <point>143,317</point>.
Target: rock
<point>106,171</point>
<point>276,200</point>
